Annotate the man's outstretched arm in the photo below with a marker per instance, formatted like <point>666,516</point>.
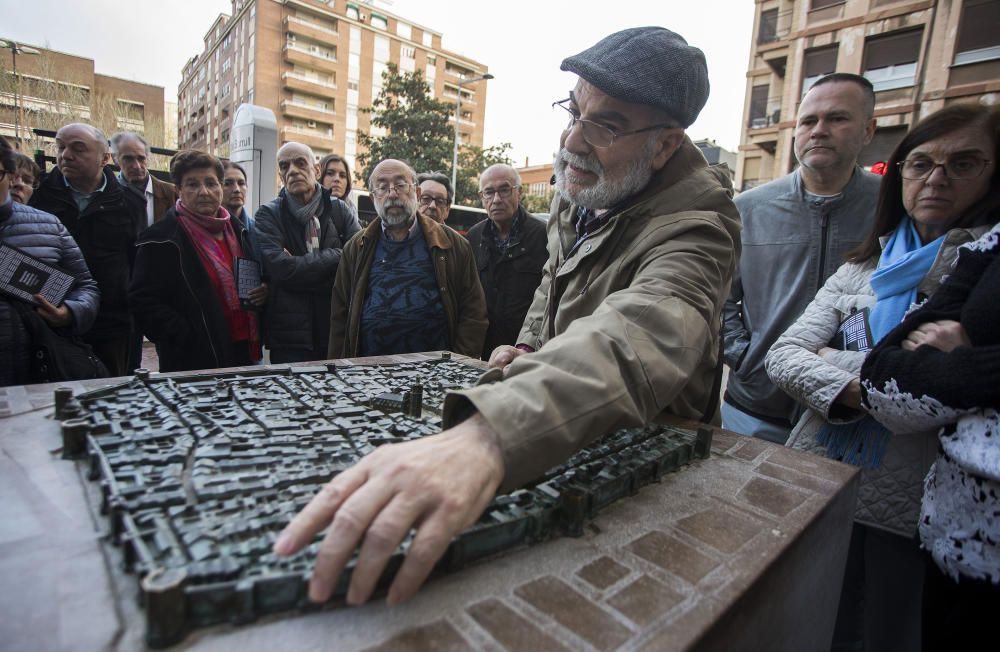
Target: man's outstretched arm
<point>439,485</point>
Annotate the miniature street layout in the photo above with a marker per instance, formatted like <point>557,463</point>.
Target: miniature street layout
<point>198,474</point>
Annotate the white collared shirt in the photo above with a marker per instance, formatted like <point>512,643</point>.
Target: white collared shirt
<point>150,209</point>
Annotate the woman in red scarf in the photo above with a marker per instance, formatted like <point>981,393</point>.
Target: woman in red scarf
<point>183,294</point>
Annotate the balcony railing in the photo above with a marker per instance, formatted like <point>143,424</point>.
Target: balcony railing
<point>311,80</point>
<point>308,24</point>
<point>763,121</point>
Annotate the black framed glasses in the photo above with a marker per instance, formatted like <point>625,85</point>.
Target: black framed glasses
<point>427,200</point>
<point>598,135</point>
<point>956,168</point>
<point>383,189</point>
<point>504,192</point>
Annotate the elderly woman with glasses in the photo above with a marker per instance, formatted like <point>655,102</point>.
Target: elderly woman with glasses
<point>941,190</point>
<point>184,294</point>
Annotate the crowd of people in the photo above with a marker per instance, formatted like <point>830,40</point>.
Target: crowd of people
<point>857,314</point>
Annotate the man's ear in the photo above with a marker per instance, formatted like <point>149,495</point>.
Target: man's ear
<point>870,130</point>
<point>106,159</point>
<point>667,143</point>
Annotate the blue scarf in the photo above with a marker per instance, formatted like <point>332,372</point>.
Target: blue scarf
<point>905,262</point>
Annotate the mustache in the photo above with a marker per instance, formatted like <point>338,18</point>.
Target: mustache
<point>587,163</point>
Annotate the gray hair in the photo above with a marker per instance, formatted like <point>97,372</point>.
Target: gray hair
<point>97,134</point>
<point>505,168</point>
<point>118,138</point>
<point>413,173</point>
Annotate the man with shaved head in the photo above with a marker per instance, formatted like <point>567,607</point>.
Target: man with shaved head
<point>104,220</point>
<point>407,283</point>
<point>302,233</point>
<point>510,253</point>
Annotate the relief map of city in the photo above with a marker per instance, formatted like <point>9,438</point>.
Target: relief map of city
<point>198,474</point>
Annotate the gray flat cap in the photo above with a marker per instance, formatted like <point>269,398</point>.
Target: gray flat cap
<point>647,65</point>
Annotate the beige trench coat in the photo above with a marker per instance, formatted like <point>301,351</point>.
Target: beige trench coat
<point>625,326</point>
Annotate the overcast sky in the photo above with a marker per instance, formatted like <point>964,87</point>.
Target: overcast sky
<point>522,42</point>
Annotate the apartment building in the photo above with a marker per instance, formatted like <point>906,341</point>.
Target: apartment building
<point>920,55</point>
<point>316,64</point>
<point>54,88</point>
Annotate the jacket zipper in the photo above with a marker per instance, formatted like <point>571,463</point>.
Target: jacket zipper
<point>204,322</point>
<point>824,227</point>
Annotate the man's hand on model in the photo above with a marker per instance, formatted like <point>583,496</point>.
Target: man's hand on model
<point>439,485</point>
<point>503,356</point>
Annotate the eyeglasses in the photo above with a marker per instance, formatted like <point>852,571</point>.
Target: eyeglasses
<point>383,189</point>
<point>427,200</point>
<point>960,167</point>
<point>598,135</point>
<point>503,191</point>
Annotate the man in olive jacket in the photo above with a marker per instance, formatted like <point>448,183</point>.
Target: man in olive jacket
<point>643,243</point>
<point>407,283</point>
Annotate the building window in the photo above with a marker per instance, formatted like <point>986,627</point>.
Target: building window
<point>353,13</point>
<point>758,106</point>
<point>226,42</point>
<point>768,32</point>
<point>882,145</point>
<point>891,59</point>
<point>428,39</point>
<point>404,30</point>
<point>226,65</point>
<point>381,51</point>
<point>823,4</point>
<point>818,62</point>
<point>978,36</point>
<point>379,21</point>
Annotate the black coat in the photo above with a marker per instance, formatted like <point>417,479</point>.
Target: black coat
<point>105,232</point>
<point>510,279</point>
<point>298,304</point>
<point>173,301</point>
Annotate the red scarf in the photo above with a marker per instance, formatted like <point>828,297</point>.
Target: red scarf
<point>217,258</point>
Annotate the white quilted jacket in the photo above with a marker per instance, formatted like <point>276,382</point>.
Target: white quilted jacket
<point>889,497</point>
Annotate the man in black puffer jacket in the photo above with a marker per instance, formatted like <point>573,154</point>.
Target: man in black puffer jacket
<point>302,233</point>
<point>104,220</point>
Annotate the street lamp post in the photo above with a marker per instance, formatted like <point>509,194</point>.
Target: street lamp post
<point>458,116</point>
<point>15,50</point>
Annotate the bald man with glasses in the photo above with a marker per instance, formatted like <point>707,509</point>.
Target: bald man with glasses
<point>406,283</point>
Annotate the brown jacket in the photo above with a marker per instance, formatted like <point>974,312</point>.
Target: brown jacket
<point>454,266</point>
<point>626,326</point>
<point>164,196</point>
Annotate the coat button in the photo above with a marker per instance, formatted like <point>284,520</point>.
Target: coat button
<point>587,248</point>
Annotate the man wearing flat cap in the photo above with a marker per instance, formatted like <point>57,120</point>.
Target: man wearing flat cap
<point>623,330</point>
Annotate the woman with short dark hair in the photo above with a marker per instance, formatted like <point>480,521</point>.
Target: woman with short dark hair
<point>25,180</point>
<point>235,188</point>
<point>183,293</point>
